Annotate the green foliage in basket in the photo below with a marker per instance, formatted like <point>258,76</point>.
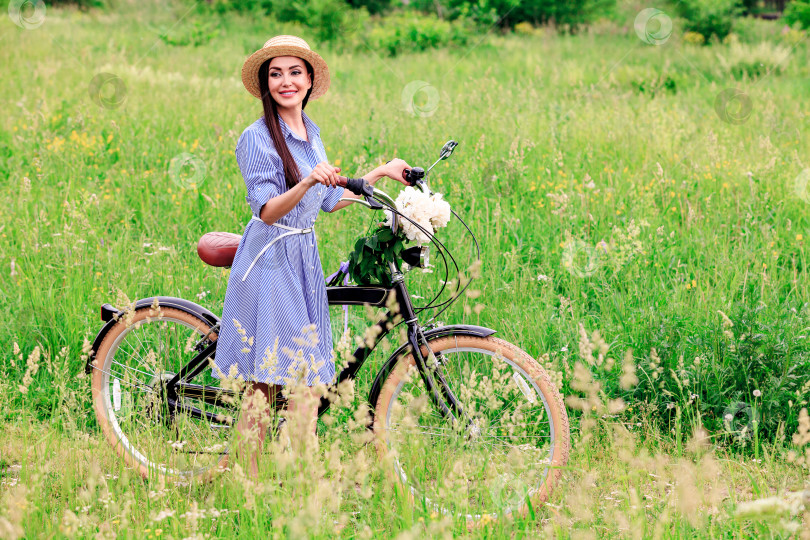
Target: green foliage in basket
<point>368,263</point>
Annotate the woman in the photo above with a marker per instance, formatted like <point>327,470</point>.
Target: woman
<point>275,321</point>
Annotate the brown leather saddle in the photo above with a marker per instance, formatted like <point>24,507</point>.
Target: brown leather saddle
<point>218,248</point>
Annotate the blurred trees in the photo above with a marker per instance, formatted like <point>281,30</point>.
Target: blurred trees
<point>710,17</point>
<point>507,13</point>
<point>798,12</point>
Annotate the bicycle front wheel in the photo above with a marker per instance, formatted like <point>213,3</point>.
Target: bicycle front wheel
<point>179,437</point>
<point>504,450</point>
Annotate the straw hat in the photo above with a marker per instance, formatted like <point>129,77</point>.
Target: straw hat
<point>286,46</point>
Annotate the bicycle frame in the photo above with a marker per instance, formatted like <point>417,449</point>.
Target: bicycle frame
<point>416,338</point>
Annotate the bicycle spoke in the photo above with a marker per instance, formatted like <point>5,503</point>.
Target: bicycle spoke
<point>142,346</point>
<point>133,369</point>
<point>132,356</point>
<point>122,378</point>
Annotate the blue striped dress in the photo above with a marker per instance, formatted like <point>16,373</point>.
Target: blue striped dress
<point>276,321</point>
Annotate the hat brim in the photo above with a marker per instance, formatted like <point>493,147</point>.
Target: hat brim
<point>250,69</point>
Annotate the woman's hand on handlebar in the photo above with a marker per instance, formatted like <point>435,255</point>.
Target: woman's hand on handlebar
<point>323,173</point>
<point>395,169</point>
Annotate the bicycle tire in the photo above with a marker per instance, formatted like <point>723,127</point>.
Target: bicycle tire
<point>110,375</point>
<point>439,451</point>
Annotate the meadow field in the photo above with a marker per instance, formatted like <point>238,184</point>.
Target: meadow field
<point>642,207</point>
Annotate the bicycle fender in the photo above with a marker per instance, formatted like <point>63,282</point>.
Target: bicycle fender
<point>453,329</point>
<point>110,316</point>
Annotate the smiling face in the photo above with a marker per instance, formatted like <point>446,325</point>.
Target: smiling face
<point>288,81</point>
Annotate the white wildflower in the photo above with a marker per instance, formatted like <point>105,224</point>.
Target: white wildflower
<point>163,514</point>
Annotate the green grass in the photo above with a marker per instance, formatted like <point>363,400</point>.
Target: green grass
<point>646,255</point>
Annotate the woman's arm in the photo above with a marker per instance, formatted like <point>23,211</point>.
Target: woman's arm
<point>280,205</point>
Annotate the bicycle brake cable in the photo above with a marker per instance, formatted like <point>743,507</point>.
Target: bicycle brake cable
<point>447,303</point>
<point>455,297</point>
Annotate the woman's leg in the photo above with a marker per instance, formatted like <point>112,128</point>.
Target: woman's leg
<point>302,416</point>
<point>253,422</point>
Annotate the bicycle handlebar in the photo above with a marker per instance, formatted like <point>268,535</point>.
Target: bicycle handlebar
<point>357,185</point>
<point>376,199</point>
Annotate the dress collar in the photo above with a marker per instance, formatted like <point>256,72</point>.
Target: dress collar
<point>312,129</point>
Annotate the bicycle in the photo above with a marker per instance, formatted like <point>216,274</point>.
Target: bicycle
<point>165,414</point>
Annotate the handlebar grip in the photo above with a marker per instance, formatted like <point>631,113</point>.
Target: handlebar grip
<point>355,185</point>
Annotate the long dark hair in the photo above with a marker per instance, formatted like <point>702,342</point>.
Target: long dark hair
<point>291,172</point>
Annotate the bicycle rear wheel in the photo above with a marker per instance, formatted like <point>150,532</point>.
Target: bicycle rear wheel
<point>133,364</point>
<point>503,452</point>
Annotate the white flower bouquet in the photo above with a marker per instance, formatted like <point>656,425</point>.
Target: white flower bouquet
<point>430,212</point>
